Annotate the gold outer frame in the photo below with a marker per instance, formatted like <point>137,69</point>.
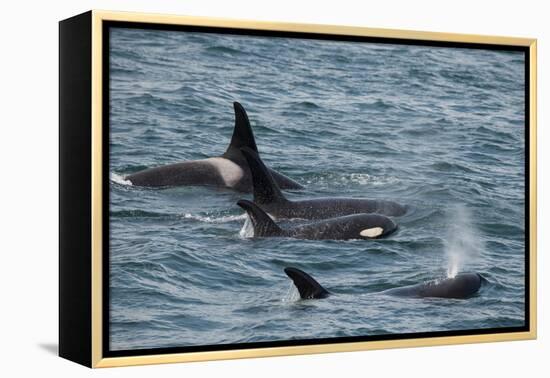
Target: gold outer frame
<point>97,176</point>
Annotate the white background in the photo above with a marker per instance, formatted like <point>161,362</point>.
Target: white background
<point>29,176</point>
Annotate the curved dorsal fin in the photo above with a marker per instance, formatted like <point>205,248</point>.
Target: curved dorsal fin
<point>306,285</point>
<point>265,188</point>
<point>262,223</point>
<point>242,133</point>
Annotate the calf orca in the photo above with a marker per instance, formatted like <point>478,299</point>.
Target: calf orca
<point>357,226</point>
<point>229,170</point>
<point>268,196</point>
<point>462,286</point>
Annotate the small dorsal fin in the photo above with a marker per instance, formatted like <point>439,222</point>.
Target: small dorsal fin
<point>265,188</point>
<point>306,285</point>
<point>261,222</point>
<point>242,133</point>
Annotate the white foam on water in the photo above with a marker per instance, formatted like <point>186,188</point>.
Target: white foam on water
<point>363,179</point>
<point>292,294</point>
<point>360,178</point>
<point>119,179</point>
<point>366,179</point>
<point>214,219</point>
<point>247,231</point>
<point>463,242</point>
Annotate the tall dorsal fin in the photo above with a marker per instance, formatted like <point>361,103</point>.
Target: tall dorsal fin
<point>265,188</point>
<point>262,223</point>
<point>242,133</point>
<point>306,285</point>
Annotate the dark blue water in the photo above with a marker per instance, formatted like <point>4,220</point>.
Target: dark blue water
<point>439,129</point>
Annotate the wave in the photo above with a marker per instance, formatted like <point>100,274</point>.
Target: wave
<point>137,214</point>
<point>223,50</point>
<point>306,105</point>
<point>118,72</point>
<point>152,101</point>
<point>247,231</point>
<point>358,149</point>
<point>291,294</point>
<point>445,166</point>
<point>463,77</point>
<point>376,105</point>
<point>119,179</point>
<point>362,179</point>
<point>215,219</point>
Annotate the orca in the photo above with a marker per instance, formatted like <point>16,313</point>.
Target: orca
<point>462,286</point>
<point>268,195</point>
<point>229,170</point>
<point>356,226</point>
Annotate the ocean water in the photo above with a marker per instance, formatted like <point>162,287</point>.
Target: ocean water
<point>438,129</point>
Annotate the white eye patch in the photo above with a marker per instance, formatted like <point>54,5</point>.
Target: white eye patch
<point>230,172</point>
<point>372,232</point>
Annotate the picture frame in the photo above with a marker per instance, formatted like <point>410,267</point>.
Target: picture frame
<point>85,111</point>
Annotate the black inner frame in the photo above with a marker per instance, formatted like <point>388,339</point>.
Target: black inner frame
<point>107,25</point>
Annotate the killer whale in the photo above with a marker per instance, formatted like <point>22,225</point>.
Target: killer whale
<point>462,286</point>
<point>229,170</point>
<point>268,195</point>
<point>356,226</point>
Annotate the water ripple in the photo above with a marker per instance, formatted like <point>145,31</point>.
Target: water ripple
<point>437,129</point>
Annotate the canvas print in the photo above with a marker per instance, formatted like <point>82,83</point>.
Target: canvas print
<point>270,189</point>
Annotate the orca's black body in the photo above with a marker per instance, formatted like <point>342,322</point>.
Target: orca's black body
<point>357,226</point>
<point>227,171</point>
<point>268,196</point>
<point>306,285</point>
<point>462,286</point>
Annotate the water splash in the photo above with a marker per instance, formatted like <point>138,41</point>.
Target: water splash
<point>360,179</point>
<point>463,243</point>
<point>214,219</point>
<point>247,231</point>
<point>292,294</point>
<point>119,179</point>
